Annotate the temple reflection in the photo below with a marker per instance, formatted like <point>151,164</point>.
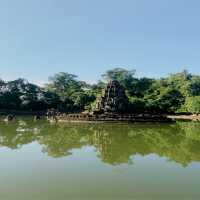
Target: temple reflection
<point>115,143</point>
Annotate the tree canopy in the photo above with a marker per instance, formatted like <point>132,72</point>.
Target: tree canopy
<point>175,93</point>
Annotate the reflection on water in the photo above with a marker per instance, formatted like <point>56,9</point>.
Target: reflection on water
<point>115,144</point>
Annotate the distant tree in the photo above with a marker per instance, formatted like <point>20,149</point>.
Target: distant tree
<point>97,88</point>
<point>73,93</point>
<point>170,100</point>
<point>119,74</point>
<point>192,104</point>
<point>63,84</point>
<point>193,87</point>
<point>30,97</point>
<point>1,82</point>
<point>11,93</point>
<point>178,92</point>
<point>137,105</point>
<point>163,97</point>
<point>48,100</point>
<point>139,87</point>
<point>180,81</point>
<point>125,77</point>
<point>22,95</point>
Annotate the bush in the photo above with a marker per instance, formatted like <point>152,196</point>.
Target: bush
<point>136,105</point>
<point>192,104</point>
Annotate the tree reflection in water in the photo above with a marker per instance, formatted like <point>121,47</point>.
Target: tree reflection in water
<point>115,143</point>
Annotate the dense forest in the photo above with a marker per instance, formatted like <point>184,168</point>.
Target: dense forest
<point>177,93</point>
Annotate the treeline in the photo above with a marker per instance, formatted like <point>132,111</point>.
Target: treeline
<point>176,93</point>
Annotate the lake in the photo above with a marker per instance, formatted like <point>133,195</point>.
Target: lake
<point>142,161</point>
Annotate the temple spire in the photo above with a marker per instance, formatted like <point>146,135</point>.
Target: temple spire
<point>113,99</point>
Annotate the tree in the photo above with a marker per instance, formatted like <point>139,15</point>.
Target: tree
<point>192,104</point>
<point>10,94</point>
<point>63,84</point>
<point>139,87</point>
<point>193,86</point>
<point>125,77</point>
<point>48,100</point>
<point>180,81</point>
<point>137,105</point>
<point>170,100</point>
<point>73,93</point>
<point>176,93</point>
<point>162,97</point>
<point>119,74</point>
<point>30,97</point>
<point>1,82</point>
<point>22,95</point>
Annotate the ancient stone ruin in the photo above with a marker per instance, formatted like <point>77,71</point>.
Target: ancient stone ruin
<point>111,106</point>
<point>113,99</point>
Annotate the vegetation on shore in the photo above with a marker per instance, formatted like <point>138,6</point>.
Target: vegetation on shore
<point>176,93</point>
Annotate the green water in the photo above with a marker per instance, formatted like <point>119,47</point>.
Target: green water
<point>41,161</point>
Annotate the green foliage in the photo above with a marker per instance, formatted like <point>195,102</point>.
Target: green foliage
<point>192,104</point>
<point>193,87</point>
<point>134,87</point>
<point>137,105</point>
<point>168,100</point>
<point>21,95</point>
<point>175,93</point>
<point>119,74</point>
<point>1,82</point>
<point>73,94</point>
<point>64,84</point>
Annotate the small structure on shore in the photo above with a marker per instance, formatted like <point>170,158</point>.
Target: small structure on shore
<point>9,118</point>
<point>52,115</point>
<point>37,117</point>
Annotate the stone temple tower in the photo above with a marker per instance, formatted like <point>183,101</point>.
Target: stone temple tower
<point>113,99</point>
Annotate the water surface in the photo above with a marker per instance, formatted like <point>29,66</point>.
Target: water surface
<point>42,161</point>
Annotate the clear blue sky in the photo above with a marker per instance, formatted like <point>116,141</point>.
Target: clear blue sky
<point>86,37</point>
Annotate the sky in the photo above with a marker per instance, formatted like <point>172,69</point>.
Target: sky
<point>39,38</point>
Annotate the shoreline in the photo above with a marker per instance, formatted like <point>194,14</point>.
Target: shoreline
<point>21,113</point>
<point>117,118</point>
<point>184,117</point>
<point>87,118</point>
